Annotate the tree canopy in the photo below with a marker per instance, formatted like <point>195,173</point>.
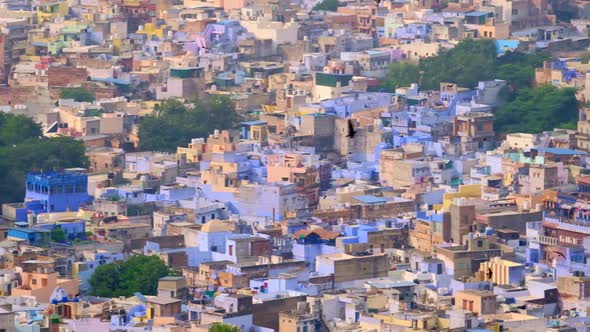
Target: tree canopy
<point>328,5</point>
<point>79,94</point>
<point>222,327</point>
<point>58,235</point>
<point>468,63</point>
<point>401,74</point>
<point>137,274</point>
<point>23,149</point>
<point>518,69</point>
<point>538,109</point>
<point>174,124</point>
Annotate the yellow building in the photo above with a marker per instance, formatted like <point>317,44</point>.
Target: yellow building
<point>413,322</point>
<point>465,191</point>
<point>501,271</point>
<point>151,29</point>
<point>47,12</point>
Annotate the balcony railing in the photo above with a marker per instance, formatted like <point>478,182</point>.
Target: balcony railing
<point>570,224</point>
<point>547,240</point>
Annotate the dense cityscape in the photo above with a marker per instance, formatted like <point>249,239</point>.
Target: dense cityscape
<point>294,165</point>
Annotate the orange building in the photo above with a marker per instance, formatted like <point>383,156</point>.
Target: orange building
<point>41,285</point>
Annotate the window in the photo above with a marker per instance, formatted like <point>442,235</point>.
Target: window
<point>34,281</point>
<point>203,219</point>
<point>212,215</point>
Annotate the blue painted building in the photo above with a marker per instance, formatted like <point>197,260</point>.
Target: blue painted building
<point>36,237</point>
<point>503,46</point>
<point>54,192</point>
<point>72,229</point>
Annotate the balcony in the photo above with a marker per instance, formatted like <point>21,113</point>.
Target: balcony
<point>569,224</point>
<point>546,240</point>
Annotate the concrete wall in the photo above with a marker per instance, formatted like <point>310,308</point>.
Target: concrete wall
<point>266,314</point>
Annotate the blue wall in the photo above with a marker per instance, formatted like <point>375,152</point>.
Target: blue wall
<point>72,229</point>
<point>57,191</point>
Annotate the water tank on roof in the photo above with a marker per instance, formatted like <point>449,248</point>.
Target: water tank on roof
<point>489,231</point>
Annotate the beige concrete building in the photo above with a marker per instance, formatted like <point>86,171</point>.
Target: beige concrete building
<point>502,272</point>
<point>346,267</point>
<point>398,168</point>
<point>476,301</point>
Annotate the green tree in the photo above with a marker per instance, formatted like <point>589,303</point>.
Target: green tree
<point>79,94</point>
<point>58,235</point>
<point>23,149</point>
<point>328,5</point>
<point>137,274</point>
<point>538,109</point>
<point>106,280</point>
<point>466,64</point>
<point>526,59</point>
<point>17,128</point>
<point>518,69</point>
<point>222,327</point>
<point>516,76</point>
<point>400,74</point>
<point>174,124</point>
<point>472,61</point>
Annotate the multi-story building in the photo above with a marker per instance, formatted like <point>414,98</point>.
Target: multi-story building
<point>474,131</point>
<point>464,260</point>
<point>51,192</point>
